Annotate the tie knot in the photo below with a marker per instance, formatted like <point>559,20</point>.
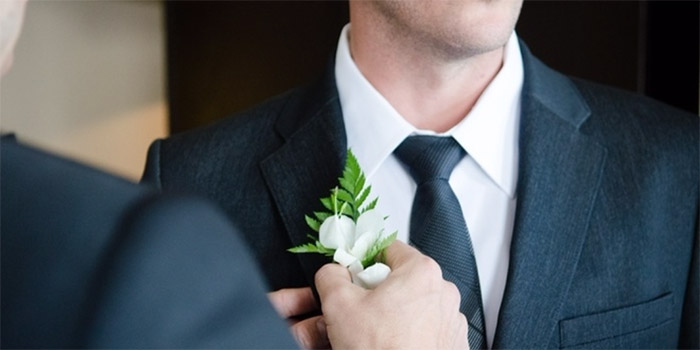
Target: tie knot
<point>429,157</point>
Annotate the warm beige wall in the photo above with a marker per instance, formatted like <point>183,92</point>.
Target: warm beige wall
<point>88,81</point>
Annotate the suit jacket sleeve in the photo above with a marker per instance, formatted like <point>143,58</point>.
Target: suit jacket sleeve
<point>179,277</point>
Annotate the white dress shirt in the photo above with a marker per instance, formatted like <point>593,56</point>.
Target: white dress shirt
<point>484,181</point>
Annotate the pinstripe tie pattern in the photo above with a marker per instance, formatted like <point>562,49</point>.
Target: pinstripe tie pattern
<point>438,228</point>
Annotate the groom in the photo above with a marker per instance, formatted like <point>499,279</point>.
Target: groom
<point>577,204</point>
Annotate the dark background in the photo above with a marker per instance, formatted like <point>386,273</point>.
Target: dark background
<point>226,56</point>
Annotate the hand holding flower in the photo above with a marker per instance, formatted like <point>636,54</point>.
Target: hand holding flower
<point>414,308</point>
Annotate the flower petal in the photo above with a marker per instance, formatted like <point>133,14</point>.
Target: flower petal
<point>356,268</point>
<point>369,221</point>
<point>372,276</point>
<point>363,243</point>
<point>344,258</point>
<point>336,231</point>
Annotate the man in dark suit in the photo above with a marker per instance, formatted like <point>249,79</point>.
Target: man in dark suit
<point>581,201</point>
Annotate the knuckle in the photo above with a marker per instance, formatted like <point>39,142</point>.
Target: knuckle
<point>323,273</point>
<point>430,274</point>
<point>430,267</point>
<point>462,322</point>
<point>452,293</point>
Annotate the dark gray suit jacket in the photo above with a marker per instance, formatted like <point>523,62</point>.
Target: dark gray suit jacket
<point>604,249</point>
<point>91,260</point>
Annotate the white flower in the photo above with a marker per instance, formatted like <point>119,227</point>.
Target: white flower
<point>352,242</point>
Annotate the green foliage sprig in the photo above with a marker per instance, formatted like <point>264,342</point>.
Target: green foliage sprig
<point>348,199</point>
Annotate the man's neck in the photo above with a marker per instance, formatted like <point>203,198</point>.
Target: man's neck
<point>430,92</point>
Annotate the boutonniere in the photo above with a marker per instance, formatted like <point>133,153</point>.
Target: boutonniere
<point>350,231</point>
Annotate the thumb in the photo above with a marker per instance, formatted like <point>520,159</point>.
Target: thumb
<point>332,277</point>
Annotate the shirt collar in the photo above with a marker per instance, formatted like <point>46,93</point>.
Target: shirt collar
<point>489,134</point>
<point>374,128</point>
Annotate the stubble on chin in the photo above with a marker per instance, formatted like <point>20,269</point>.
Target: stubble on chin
<point>447,36</point>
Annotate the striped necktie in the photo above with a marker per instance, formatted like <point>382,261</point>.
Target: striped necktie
<point>438,228</point>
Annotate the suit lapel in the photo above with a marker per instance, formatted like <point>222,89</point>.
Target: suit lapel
<point>559,175</point>
<point>309,162</point>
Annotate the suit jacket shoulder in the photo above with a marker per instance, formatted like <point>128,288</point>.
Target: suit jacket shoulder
<point>637,119</point>
<point>654,144</point>
<point>202,152</point>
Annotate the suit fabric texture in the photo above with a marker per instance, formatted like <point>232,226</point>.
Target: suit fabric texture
<point>604,248</point>
<point>91,260</point>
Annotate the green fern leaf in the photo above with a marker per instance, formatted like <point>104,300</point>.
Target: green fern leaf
<point>378,247</point>
<point>362,197</point>
<point>324,250</point>
<point>315,247</point>
<point>313,223</point>
<point>359,184</point>
<point>347,210</point>
<point>304,248</point>
<point>347,184</point>
<point>352,165</point>
<point>346,197</point>
<point>322,215</point>
<point>371,205</point>
<point>327,203</point>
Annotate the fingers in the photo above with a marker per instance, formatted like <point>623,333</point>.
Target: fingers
<point>331,277</point>
<point>292,302</point>
<point>311,333</point>
<point>452,296</point>
<point>398,253</point>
